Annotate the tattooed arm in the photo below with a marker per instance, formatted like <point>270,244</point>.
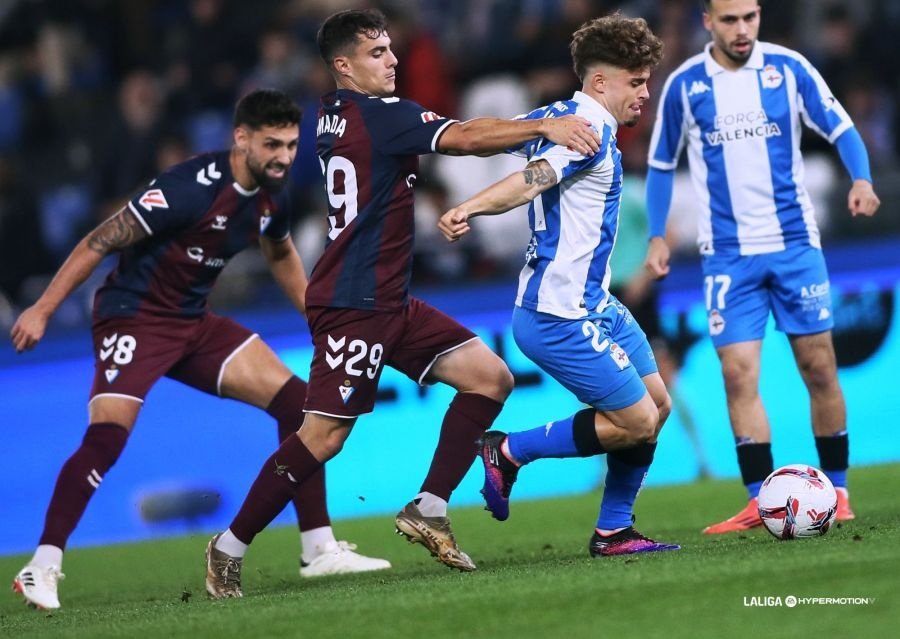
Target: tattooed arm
<point>500,197</point>
<point>119,231</point>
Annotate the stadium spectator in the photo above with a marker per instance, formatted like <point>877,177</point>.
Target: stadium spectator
<point>737,106</point>
<point>358,304</point>
<point>565,318</point>
<point>151,320</point>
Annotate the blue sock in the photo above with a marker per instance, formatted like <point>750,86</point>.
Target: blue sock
<point>838,478</point>
<point>623,482</point>
<point>553,440</point>
<point>753,489</point>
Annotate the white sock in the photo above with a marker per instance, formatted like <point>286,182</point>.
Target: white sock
<point>231,545</point>
<point>606,533</point>
<point>431,505</point>
<point>314,541</point>
<point>46,556</point>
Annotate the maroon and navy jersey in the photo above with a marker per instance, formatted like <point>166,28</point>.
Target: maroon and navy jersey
<point>197,217</point>
<point>369,150</point>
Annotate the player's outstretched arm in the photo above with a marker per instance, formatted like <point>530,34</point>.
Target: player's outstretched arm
<point>486,136</point>
<point>287,269</point>
<point>119,231</point>
<point>508,193</point>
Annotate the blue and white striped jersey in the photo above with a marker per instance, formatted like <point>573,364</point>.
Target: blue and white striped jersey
<point>573,224</point>
<point>742,130</point>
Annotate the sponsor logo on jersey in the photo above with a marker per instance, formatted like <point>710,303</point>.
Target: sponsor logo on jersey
<point>619,356</point>
<point>153,199</point>
<point>771,78</point>
<point>815,290</point>
<point>697,87</point>
<point>219,224</point>
<point>716,323</point>
<point>205,176</point>
<point>195,253</point>
<point>730,127</point>
<point>430,116</point>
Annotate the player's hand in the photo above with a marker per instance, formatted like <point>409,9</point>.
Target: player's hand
<point>657,261</point>
<point>862,199</point>
<point>29,328</point>
<point>454,224</point>
<point>572,132</point>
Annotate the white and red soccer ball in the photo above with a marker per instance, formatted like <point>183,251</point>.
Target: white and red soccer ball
<point>797,501</point>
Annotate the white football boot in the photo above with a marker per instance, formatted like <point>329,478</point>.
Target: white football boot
<point>38,586</point>
<point>337,557</point>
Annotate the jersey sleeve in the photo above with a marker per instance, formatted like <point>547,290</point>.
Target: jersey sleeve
<point>279,227</point>
<point>819,108</point>
<point>668,136</point>
<point>567,163</point>
<point>402,127</point>
<point>166,205</point>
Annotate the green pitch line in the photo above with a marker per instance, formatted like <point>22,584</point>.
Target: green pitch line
<point>534,579</point>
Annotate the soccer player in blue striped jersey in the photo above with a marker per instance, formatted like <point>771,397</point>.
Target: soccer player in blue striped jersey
<point>737,106</point>
<point>565,318</point>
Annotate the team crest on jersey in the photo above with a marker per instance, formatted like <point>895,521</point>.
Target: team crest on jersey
<point>111,374</point>
<point>346,391</point>
<point>153,199</point>
<point>716,323</point>
<point>264,221</point>
<point>430,116</point>
<point>619,356</point>
<point>771,78</point>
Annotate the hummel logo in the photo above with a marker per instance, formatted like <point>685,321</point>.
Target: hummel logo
<point>109,345</point>
<point>698,86</point>
<point>211,172</point>
<point>335,345</point>
<point>219,224</point>
<point>280,469</point>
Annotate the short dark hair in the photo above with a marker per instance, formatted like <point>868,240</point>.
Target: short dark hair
<point>266,107</point>
<point>342,30</point>
<point>626,43</point>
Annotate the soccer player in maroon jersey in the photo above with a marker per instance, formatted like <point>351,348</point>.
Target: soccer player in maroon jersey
<point>358,304</point>
<point>151,320</point>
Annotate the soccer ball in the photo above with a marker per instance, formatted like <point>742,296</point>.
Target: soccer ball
<point>797,501</point>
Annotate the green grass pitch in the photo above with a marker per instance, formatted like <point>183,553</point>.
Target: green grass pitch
<point>534,579</point>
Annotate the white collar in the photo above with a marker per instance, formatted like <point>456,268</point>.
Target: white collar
<point>754,62</point>
<point>596,109</point>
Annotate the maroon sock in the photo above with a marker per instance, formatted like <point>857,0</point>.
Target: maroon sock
<point>79,477</point>
<point>274,487</point>
<point>309,500</point>
<point>469,415</point>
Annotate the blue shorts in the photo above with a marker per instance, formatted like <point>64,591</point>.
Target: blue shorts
<point>741,290</point>
<point>600,359</point>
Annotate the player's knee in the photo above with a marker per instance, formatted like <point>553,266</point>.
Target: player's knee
<point>496,380</point>
<point>738,378</point>
<point>643,428</point>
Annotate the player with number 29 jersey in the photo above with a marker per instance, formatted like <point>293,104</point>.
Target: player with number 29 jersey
<point>369,148</point>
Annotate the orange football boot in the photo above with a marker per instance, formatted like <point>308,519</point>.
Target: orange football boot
<point>745,520</point>
<point>844,513</point>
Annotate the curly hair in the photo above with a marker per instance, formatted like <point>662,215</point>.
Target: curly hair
<point>626,43</point>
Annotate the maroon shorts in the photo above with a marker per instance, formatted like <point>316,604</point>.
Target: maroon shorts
<point>351,347</point>
<point>132,353</point>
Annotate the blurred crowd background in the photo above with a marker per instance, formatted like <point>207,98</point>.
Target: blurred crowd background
<point>99,96</point>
